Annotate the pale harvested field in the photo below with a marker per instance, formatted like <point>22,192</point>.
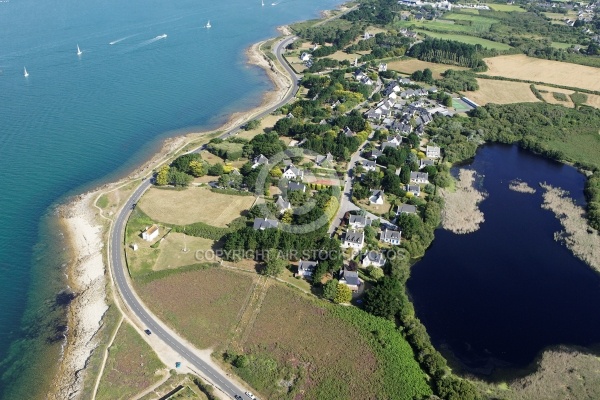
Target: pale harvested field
<point>410,66</point>
<point>534,69</point>
<point>172,254</point>
<point>341,56</point>
<point>194,204</point>
<point>203,306</point>
<point>593,100</point>
<point>211,158</point>
<point>267,122</point>
<point>501,92</point>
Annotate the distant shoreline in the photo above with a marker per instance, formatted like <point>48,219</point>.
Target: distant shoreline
<point>87,236</point>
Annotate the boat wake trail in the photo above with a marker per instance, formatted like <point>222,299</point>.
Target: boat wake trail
<point>147,42</point>
<point>123,38</point>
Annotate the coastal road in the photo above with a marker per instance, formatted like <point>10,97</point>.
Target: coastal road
<point>123,284</point>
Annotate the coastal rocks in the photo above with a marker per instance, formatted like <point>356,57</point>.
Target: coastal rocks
<point>582,240</point>
<point>87,308</point>
<point>461,212</point>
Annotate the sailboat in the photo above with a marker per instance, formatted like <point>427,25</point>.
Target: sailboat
<point>25,73</point>
<point>207,24</point>
<point>262,2</point>
<point>79,52</point>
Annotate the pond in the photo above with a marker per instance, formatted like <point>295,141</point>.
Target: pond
<point>499,296</point>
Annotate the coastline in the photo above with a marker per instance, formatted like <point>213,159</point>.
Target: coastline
<point>87,275</point>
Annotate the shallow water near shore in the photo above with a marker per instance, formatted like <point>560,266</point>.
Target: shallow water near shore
<point>495,298</point>
<point>78,121</point>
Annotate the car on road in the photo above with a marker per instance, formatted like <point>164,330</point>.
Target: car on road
<point>249,394</point>
<point>147,331</point>
<point>238,397</point>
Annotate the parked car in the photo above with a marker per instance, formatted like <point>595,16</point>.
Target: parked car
<point>147,331</point>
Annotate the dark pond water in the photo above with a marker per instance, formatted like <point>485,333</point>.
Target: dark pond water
<point>500,295</point>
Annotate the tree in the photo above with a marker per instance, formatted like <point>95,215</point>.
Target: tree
<point>197,168</point>
<point>254,124</point>
<point>178,178</point>
<point>287,217</point>
<point>405,174</point>
<point>343,294</point>
<point>183,162</point>
<point>375,272</point>
<point>273,264</point>
<point>384,299</point>
<point>215,170</point>
<point>330,289</point>
<point>162,177</point>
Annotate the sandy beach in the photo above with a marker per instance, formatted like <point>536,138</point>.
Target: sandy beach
<point>87,231</point>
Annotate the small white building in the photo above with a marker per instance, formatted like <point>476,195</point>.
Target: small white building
<point>373,258</point>
<point>376,197</point>
<point>419,177</point>
<point>390,236</point>
<point>354,239</point>
<point>305,56</point>
<point>150,233</point>
<point>291,172</point>
<point>433,152</point>
<point>306,268</point>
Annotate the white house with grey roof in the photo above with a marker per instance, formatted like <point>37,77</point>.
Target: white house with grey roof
<point>283,205</point>
<point>262,224</point>
<point>414,189</point>
<point>354,239</point>
<point>350,279</point>
<point>291,172</point>
<point>293,186</point>
<point>406,209</point>
<point>359,222</point>
<point>306,268</point>
<point>376,197</point>
<point>419,177</point>
<point>369,165</point>
<point>390,236</point>
<point>423,162</point>
<point>259,160</point>
<point>433,152</point>
<point>327,159</point>
<point>373,258</point>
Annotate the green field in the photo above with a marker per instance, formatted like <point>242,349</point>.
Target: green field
<point>467,39</point>
<point>559,45</point>
<point>470,17</point>
<point>506,7</point>
<point>448,26</point>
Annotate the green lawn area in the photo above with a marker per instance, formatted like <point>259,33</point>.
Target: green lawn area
<point>436,26</point>
<point>506,7</point>
<point>559,45</point>
<point>459,106</point>
<point>471,17</point>
<point>467,39</point>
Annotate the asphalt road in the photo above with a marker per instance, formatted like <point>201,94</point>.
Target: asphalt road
<point>120,270</point>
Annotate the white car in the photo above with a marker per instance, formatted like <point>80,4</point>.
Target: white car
<point>249,394</point>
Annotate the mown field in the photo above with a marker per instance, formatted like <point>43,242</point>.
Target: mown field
<point>534,69</point>
<point>501,92</point>
<point>411,65</point>
<point>506,7</point>
<point>300,347</point>
<point>440,26</point>
<point>131,366</point>
<point>194,204</point>
<point>202,305</point>
<point>467,39</point>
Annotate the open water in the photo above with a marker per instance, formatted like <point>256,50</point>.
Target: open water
<point>78,121</point>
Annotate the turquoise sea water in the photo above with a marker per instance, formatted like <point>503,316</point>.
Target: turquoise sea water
<point>78,121</point>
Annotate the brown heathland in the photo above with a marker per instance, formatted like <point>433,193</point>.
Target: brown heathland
<point>194,204</point>
<point>410,66</point>
<point>203,305</point>
<point>520,66</point>
<point>299,334</point>
<point>501,92</point>
<point>130,368</point>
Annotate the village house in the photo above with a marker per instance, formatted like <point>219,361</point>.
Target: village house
<point>349,132</point>
<point>369,165</point>
<point>433,152</point>
<point>259,160</point>
<point>419,177</point>
<point>350,278</point>
<point>423,162</point>
<point>374,153</point>
<point>414,189</point>
<point>386,144</point>
<point>354,239</point>
<point>382,67</point>
<point>295,186</point>
<point>282,205</point>
<point>306,268</point>
<point>291,172</point>
<point>373,258</point>
<point>390,236</point>
<point>359,222</point>
<point>150,233</point>
<point>305,56</point>
<point>262,224</point>
<point>376,197</point>
<point>406,209</point>
<point>327,159</point>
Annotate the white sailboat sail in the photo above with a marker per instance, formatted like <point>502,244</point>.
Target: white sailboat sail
<point>207,24</point>
<point>78,51</point>
<point>25,73</point>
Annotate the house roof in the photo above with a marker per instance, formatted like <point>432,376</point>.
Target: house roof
<point>418,176</point>
<point>152,229</point>
<point>260,160</point>
<point>304,265</point>
<point>390,235</point>
<point>296,186</point>
<point>413,188</point>
<point>374,257</point>
<point>262,223</point>
<point>369,164</point>
<point>359,220</point>
<point>351,277</point>
<point>282,204</point>
<point>292,168</point>
<point>354,237</point>
<point>406,209</point>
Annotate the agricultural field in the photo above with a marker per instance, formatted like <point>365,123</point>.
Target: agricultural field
<point>299,346</point>
<point>439,26</point>
<point>202,305</point>
<point>411,65</point>
<point>467,39</point>
<point>131,367</point>
<point>506,7</point>
<point>501,92</point>
<point>548,95</point>
<point>265,123</point>
<point>478,23</point>
<point>593,100</point>
<point>211,158</point>
<point>179,250</point>
<point>194,204</point>
<point>534,69</point>
<point>559,45</point>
